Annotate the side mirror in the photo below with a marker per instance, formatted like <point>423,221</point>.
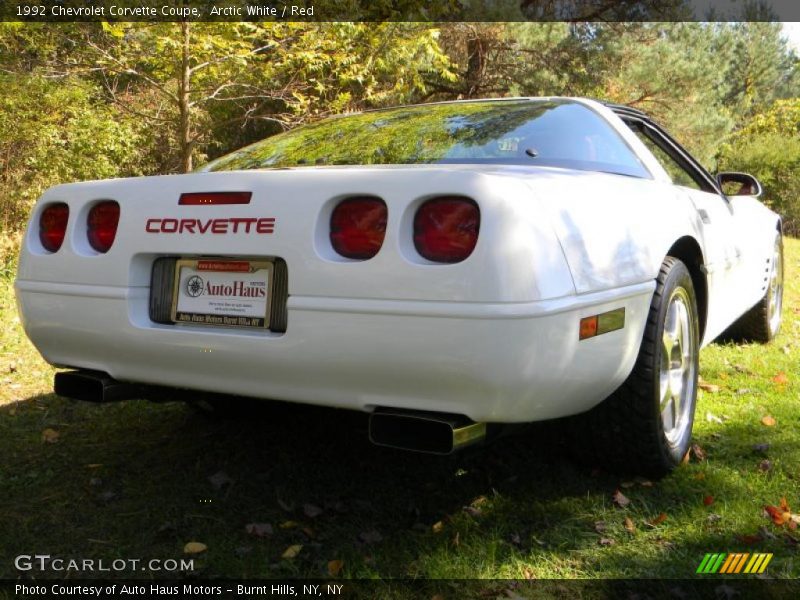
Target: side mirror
<point>739,184</point>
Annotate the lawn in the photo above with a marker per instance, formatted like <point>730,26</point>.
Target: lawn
<point>297,492</point>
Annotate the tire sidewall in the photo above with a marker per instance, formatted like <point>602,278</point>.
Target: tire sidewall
<point>678,276</point>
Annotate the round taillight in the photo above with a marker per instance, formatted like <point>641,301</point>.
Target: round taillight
<point>446,229</point>
<point>358,226</point>
<point>101,225</point>
<point>53,226</point>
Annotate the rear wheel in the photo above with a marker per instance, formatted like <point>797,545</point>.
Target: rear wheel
<point>646,425</point>
<point>763,322</point>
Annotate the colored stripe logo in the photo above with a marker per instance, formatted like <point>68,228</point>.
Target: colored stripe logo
<point>735,563</point>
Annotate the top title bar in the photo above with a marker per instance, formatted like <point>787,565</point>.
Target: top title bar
<point>55,11</point>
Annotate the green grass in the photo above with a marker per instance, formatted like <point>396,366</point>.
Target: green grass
<point>131,480</point>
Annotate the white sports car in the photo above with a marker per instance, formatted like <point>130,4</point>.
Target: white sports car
<point>447,268</point>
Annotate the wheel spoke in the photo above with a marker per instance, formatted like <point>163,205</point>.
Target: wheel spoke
<point>677,366</point>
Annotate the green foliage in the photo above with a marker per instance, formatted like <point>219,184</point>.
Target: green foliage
<point>96,100</point>
<point>769,148</point>
<point>58,132</point>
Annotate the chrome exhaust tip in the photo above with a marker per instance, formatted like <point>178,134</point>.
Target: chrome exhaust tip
<point>424,431</point>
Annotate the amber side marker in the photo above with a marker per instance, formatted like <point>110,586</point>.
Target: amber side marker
<point>602,323</point>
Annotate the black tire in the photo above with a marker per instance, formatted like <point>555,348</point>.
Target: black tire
<point>763,322</point>
<point>627,432</point>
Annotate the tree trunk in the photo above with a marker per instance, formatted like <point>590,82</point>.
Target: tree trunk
<point>184,88</point>
<point>476,65</point>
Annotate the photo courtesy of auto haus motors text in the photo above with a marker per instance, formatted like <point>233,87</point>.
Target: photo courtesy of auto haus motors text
<point>186,590</point>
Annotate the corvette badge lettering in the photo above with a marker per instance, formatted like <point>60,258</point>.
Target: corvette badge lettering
<point>264,225</point>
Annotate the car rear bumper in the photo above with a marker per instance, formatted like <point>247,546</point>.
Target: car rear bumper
<point>495,362</point>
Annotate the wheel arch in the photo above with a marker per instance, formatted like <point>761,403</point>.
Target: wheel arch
<point>688,251</point>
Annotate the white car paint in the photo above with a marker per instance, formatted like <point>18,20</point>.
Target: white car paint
<point>494,337</point>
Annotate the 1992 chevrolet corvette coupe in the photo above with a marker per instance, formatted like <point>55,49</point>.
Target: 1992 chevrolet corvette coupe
<point>446,267</point>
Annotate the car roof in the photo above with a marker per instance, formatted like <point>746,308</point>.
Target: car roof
<point>620,109</point>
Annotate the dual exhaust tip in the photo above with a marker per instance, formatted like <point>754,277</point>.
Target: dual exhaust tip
<point>419,431</point>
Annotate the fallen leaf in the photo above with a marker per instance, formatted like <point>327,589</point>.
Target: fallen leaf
<point>370,537</point>
<point>311,510</point>
<point>768,420</point>
<point>748,540</point>
<point>292,551</point>
<point>437,527</point>
<point>627,484</point>
<point>106,496</point>
<point>194,548</point>
<point>287,506</point>
<point>778,515</point>
<point>309,532</point>
<point>620,499</point>
<point>630,527</point>
<point>698,452</point>
<point>606,542</point>
<point>167,527</point>
<point>219,480</point>
<point>685,459</point>
<point>708,387</point>
<point>50,436</point>
<point>713,518</point>
<point>761,448</point>
<point>712,418</point>
<point>472,511</point>
<point>480,501</point>
<point>457,539</point>
<point>660,518</point>
<point>700,476</point>
<point>644,482</point>
<point>781,378</point>
<point>600,526</point>
<point>335,567</point>
<point>258,529</point>
<point>288,525</point>
<point>765,465</point>
<point>708,500</point>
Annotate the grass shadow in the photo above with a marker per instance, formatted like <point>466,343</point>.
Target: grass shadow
<point>140,480</point>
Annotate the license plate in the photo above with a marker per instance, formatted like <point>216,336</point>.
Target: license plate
<point>230,293</point>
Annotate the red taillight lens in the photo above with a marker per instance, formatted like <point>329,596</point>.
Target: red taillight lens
<point>53,226</point>
<point>358,226</point>
<point>446,229</point>
<point>202,198</point>
<point>101,225</point>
